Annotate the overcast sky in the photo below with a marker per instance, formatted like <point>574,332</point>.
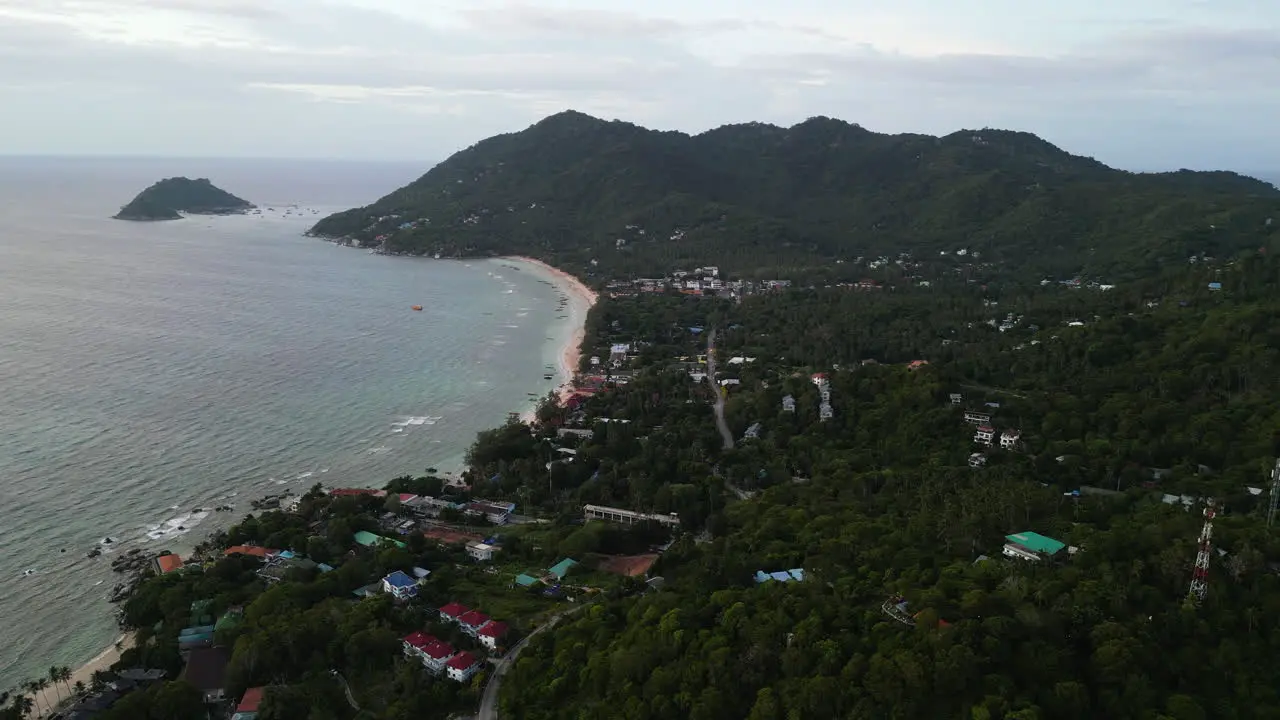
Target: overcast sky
<point>1141,84</point>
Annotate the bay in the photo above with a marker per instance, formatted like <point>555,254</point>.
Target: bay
<point>150,369</point>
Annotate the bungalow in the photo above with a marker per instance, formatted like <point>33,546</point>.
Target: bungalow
<point>985,434</point>
<point>167,564</point>
<point>249,702</point>
<point>400,585</point>
<point>1009,439</point>
<point>1031,546</point>
<point>492,634</point>
<point>472,621</point>
<point>452,611</point>
<point>462,666</point>
<point>481,551</point>
<point>207,670</point>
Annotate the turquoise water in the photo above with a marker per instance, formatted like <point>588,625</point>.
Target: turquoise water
<point>147,370</point>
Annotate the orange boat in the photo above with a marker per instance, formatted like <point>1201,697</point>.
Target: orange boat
<point>418,308</point>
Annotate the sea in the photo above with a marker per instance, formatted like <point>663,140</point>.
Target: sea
<point>151,372</point>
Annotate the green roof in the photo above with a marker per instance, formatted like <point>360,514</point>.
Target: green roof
<point>526,580</point>
<point>561,568</point>
<point>368,539</point>
<point>1035,542</point>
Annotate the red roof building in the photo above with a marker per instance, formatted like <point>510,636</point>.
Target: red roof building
<point>453,611</point>
<point>168,563</point>
<point>257,552</point>
<point>462,666</point>
<point>472,621</point>
<point>492,633</point>
<point>438,650</point>
<point>250,701</point>
<point>417,641</point>
<point>406,497</point>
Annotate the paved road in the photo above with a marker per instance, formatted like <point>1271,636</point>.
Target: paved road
<point>489,701</point>
<point>721,425</point>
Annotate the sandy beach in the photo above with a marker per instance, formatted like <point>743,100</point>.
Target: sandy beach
<point>103,661</point>
<point>581,300</point>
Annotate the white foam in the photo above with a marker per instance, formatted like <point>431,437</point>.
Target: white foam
<point>176,526</point>
<point>305,475</point>
<point>380,450</point>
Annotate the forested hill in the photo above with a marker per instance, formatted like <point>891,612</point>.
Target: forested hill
<point>755,197</point>
<point>169,198</point>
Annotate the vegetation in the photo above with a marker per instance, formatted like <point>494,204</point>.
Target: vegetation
<point>769,201</point>
<point>169,198</point>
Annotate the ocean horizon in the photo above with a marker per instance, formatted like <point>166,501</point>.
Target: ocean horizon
<point>153,371</point>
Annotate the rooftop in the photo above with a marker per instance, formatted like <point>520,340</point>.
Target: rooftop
<point>454,610</point>
<point>462,661</point>
<point>1035,542</point>
<point>400,580</point>
<point>207,668</point>
<point>251,699</point>
<point>474,618</point>
<point>419,639</point>
<point>562,568</point>
<point>495,629</point>
<point>169,563</point>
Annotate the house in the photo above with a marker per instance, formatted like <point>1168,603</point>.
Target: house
<point>400,585</point>
<point>462,666</point>
<point>452,611</point>
<point>977,418</point>
<point>819,379</point>
<point>917,364</point>
<point>492,633</point>
<point>207,670</point>
<point>526,581</point>
<point>250,550</point>
<point>561,569</point>
<point>956,398</point>
<point>1215,286</point>
<point>977,460</point>
<point>249,702</point>
<point>1031,546</point>
<point>436,654</point>
<point>195,638</point>
<point>985,434</point>
<point>1009,439</point>
<point>481,551</point>
<point>824,412</point>
<point>415,643</point>
<point>472,621</point>
<point>792,575</point>
<point>788,404</point>
<point>368,539</point>
<point>167,564</point>
<point>493,512</point>
<point>752,432</point>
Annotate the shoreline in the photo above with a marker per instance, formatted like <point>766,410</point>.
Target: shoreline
<point>570,355</point>
<point>102,661</point>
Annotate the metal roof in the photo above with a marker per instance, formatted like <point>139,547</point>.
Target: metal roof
<point>1036,542</point>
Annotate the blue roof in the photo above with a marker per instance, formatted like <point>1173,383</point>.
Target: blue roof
<point>797,573</point>
<point>399,579</point>
<point>561,568</point>
<point>780,576</point>
<point>287,554</point>
<point>762,576</point>
<point>1215,286</point>
<point>325,567</point>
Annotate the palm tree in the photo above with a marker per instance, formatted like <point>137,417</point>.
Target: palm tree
<point>80,688</point>
<point>64,674</point>
<point>24,705</point>
<point>53,678</point>
<point>33,688</point>
<point>42,684</point>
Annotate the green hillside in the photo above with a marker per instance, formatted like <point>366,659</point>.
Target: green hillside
<point>756,197</point>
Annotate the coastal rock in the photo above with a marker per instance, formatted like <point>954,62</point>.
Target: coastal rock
<point>170,198</point>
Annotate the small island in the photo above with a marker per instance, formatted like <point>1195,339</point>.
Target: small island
<point>170,198</point>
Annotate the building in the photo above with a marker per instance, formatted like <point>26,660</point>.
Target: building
<point>977,460</point>
<point>472,621</point>
<point>788,404</point>
<point>400,585</point>
<point>207,670</point>
<point>492,634</point>
<point>167,564</point>
<point>917,364</point>
<point>825,412</point>
<point>752,432</point>
<point>452,611</point>
<point>495,513</point>
<point>248,707</point>
<point>250,550</point>
<point>628,517</point>
<point>462,666</point>
<point>436,654</point>
<point>985,434</point>
<point>481,551</point>
<point>356,492</point>
<point>792,575</point>
<point>1009,439</point>
<point>415,643</point>
<point>956,398</point>
<point>1031,546</point>
<point>561,569</point>
<point>368,539</point>
<point>977,418</point>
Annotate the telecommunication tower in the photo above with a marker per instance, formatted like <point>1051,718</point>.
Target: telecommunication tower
<point>1275,493</point>
<point>1200,576</point>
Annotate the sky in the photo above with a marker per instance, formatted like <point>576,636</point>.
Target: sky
<point>1138,84</point>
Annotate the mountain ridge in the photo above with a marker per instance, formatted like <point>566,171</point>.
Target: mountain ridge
<point>568,187</point>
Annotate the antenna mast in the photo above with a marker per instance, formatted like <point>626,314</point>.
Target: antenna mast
<point>1275,493</point>
<point>1200,576</point>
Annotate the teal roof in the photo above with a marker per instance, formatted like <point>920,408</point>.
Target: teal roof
<point>561,568</point>
<point>368,539</point>
<point>526,580</point>
<point>1035,542</point>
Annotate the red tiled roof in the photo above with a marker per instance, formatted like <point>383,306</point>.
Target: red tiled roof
<point>438,650</point>
<point>250,700</point>
<point>495,629</point>
<point>246,550</point>
<point>168,563</point>
<point>474,618</point>
<point>986,428</point>
<point>419,639</point>
<point>454,610</point>
<point>462,661</point>
<point>406,497</point>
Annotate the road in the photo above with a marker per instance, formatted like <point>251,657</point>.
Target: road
<point>489,701</point>
<point>717,390</point>
<point>351,699</point>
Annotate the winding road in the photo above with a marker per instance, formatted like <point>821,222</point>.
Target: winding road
<point>489,701</point>
<point>718,391</point>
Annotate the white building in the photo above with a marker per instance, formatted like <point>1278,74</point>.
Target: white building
<point>628,517</point>
<point>984,435</point>
<point>481,551</point>
<point>1009,439</point>
<point>977,418</point>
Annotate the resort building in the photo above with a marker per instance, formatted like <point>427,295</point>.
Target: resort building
<point>985,434</point>
<point>1031,546</point>
<point>977,418</point>
<point>462,666</point>
<point>400,585</point>
<point>1009,439</point>
<point>492,634</point>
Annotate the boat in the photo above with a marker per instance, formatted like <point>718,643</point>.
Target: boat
<point>417,308</point>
